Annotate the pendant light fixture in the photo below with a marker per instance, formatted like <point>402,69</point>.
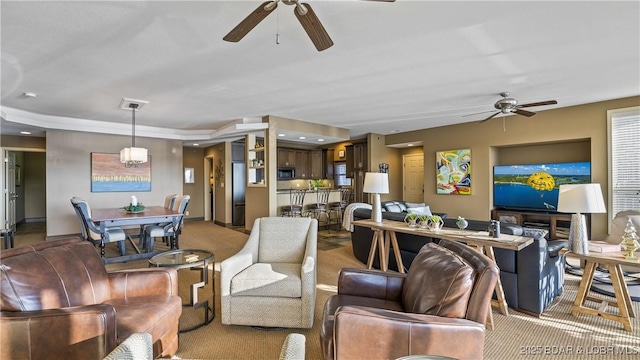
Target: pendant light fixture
<point>133,156</point>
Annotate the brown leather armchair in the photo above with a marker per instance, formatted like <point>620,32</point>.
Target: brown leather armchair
<point>59,302</point>
<point>438,308</point>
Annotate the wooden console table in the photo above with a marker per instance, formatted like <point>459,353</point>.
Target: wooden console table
<point>613,261</point>
<point>384,236</point>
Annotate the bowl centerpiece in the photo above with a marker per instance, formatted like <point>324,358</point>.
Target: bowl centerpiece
<point>134,208</point>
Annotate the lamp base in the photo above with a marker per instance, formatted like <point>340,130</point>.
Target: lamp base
<point>578,238</point>
<point>376,211</point>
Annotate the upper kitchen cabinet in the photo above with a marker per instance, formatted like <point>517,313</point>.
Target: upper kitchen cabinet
<point>302,164</point>
<point>356,158</point>
<point>317,164</point>
<point>286,157</point>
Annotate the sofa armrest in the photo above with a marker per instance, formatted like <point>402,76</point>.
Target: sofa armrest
<point>371,283</point>
<point>141,282</point>
<point>366,333</point>
<point>79,332</point>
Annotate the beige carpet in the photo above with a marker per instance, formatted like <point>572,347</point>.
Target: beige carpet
<point>518,336</point>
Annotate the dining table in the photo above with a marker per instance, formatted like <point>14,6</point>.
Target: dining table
<point>112,217</point>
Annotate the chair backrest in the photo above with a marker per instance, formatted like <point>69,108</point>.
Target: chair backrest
<point>169,200</point>
<point>180,205</point>
<point>52,275</point>
<point>296,196</point>
<point>481,285</point>
<point>323,196</point>
<point>345,196</point>
<point>285,239</point>
<point>83,210</point>
<point>76,209</point>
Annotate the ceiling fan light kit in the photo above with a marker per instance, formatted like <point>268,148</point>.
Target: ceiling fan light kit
<point>508,105</point>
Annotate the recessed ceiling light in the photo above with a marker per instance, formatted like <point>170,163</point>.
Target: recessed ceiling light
<point>281,135</point>
<point>196,144</point>
<point>25,132</point>
<point>30,94</point>
<point>320,139</point>
<point>409,144</point>
<point>301,137</point>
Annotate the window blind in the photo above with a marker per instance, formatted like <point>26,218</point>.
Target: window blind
<point>625,161</point>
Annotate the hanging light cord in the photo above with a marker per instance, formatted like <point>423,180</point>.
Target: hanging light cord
<point>133,124</point>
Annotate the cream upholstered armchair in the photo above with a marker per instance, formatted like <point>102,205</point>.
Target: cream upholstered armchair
<point>271,282</point>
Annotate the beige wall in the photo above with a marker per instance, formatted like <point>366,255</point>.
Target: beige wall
<point>566,134</point>
<point>193,158</point>
<point>35,185</point>
<point>69,167</point>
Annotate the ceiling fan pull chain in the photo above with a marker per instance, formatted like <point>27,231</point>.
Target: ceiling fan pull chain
<point>277,26</point>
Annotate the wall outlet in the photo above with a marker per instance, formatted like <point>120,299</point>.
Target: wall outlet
<point>186,212</point>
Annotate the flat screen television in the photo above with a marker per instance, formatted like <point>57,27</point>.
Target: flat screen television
<point>535,186</point>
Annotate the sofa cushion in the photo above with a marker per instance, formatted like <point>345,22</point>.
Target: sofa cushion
<point>271,280</point>
<point>439,282</point>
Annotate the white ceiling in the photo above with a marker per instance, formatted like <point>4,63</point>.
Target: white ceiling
<point>394,67</point>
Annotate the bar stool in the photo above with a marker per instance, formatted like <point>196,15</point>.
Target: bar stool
<point>338,207</point>
<point>296,201</point>
<point>321,206</point>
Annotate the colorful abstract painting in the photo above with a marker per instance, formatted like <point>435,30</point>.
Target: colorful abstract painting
<point>453,172</point>
<point>108,174</point>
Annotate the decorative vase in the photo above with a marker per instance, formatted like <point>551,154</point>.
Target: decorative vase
<point>435,223</point>
<point>411,220</point>
<point>630,242</point>
<point>462,223</point>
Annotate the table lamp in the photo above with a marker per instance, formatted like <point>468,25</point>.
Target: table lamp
<point>580,199</point>
<point>376,184</point>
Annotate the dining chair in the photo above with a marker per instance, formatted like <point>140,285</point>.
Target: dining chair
<point>169,200</point>
<point>296,202</point>
<point>170,230</point>
<point>91,232</point>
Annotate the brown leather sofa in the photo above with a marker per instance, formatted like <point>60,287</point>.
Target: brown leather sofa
<point>438,308</point>
<point>59,302</point>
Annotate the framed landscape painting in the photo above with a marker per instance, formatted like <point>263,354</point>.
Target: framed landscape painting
<point>453,172</point>
<point>108,174</point>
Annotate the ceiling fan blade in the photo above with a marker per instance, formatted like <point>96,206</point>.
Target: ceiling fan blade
<point>313,27</point>
<point>250,21</point>
<point>491,117</point>
<point>524,112</point>
<point>550,102</point>
<point>481,112</point>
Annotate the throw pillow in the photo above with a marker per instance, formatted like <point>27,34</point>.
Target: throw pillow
<point>415,205</point>
<point>439,282</point>
<point>535,233</point>
<point>422,210</point>
<point>395,206</point>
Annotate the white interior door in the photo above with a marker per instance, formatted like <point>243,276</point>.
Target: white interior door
<point>9,191</point>
<point>413,177</point>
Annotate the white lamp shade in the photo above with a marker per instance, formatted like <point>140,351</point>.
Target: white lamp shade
<point>376,183</point>
<point>581,198</point>
<point>133,155</point>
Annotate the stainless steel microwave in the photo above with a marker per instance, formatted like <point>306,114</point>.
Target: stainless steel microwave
<point>286,173</point>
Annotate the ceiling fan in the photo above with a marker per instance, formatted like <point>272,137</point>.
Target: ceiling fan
<point>508,105</point>
<point>303,12</point>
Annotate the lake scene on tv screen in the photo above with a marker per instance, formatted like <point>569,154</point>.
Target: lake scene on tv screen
<point>535,186</point>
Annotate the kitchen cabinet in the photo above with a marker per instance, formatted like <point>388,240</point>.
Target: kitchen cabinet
<point>327,160</point>
<point>316,166</point>
<point>286,157</point>
<point>302,164</point>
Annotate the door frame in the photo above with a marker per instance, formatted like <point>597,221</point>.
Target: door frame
<point>209,209</point>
